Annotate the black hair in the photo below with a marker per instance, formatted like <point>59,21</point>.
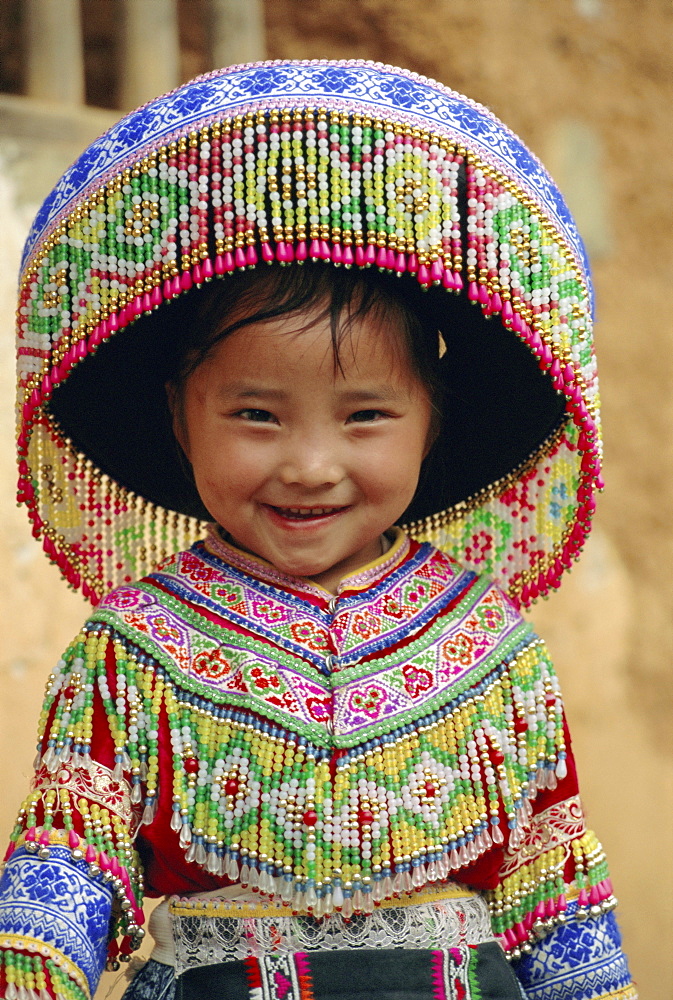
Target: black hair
<point>492,404</point>
<point>343,295</point>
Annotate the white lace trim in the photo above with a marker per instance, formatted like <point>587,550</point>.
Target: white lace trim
<point>202,938</point>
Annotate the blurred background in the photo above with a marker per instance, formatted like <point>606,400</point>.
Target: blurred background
<point>588,85</point>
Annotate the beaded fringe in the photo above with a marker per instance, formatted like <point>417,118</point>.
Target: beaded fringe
<point>286,186</point>
<point>319,829</point>
<point>32,977</point>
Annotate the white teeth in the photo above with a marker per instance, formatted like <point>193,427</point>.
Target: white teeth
<point>308,511</point>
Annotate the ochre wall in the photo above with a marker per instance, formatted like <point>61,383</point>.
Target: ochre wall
<point>587,85</point>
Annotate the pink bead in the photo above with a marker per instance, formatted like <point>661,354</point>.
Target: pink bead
<point>507,312</point>
<point>90,857</point>
<point>177,285</point>
<point>423,275</point>
<point>337,255</point>
<point>496,302</point>
<point>436,271</point>
<point>301,253</point>
<point>412,263</point>
<point>73,840</point>
<point>228,261</point>
<point>382,258</point>
<point>239,257</point>
<point>186,281</point>
<point>314,250</point>
<point>207,268</point>
<point>347,256</point>
<point>267,253</point>
<point>359,257</point>
<point>146,303</point>
<point>251,256</point>
<point>400,263</point>
<point>325,252</point>
<point>197,274</point>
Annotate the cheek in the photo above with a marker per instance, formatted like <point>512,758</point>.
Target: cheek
<point>225,465</point>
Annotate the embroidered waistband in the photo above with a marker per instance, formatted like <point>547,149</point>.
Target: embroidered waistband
<point>213,904</point>
<point>208,931</point>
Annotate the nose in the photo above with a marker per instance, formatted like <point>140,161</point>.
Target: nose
<point>311,460</point>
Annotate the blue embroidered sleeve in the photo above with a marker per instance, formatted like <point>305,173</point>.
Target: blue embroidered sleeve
<point>578,960</point>
<point>72,882</point>
<point>63,904</point>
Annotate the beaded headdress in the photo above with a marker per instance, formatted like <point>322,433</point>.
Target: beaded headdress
<point>355,164</point>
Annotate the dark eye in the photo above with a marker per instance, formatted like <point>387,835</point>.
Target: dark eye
<point>365,416</point>
<point>257,416</point>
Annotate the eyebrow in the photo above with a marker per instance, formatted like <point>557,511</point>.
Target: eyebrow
<point>385,393</point>
<point>244,390</point>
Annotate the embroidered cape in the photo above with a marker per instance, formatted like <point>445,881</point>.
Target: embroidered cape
<point>230,724</point>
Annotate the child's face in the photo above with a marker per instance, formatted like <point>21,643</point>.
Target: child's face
<point>302,463</point>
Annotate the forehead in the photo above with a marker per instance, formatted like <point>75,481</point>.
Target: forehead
<point>356,344</point>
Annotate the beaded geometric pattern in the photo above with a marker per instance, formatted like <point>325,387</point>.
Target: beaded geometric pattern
<point>357,164</point>
<point>347,808</point>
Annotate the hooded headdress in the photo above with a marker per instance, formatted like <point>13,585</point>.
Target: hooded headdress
<point>357,164</point>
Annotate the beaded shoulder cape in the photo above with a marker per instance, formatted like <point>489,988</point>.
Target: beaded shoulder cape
<point>330,751</point>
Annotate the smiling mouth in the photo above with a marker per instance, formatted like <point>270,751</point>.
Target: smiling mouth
<point>306,513</point>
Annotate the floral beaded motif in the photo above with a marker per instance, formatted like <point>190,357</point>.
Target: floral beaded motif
<point>286,774</point>
<point>327,763</point>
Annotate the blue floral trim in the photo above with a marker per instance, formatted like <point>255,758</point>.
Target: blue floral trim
<point>376,89</point>
<point>54,900</point>
<point>579,960</point>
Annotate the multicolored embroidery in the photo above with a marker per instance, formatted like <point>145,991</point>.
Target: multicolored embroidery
<point>324,785</point>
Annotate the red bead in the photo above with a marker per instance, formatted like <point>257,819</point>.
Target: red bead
<point>430,790</point>
<point>191,765</point>
<point>310,817</point>
<point>366,817</point>
<point>231,786</point>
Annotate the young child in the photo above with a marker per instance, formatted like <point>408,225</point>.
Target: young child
<point>336,749</point>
